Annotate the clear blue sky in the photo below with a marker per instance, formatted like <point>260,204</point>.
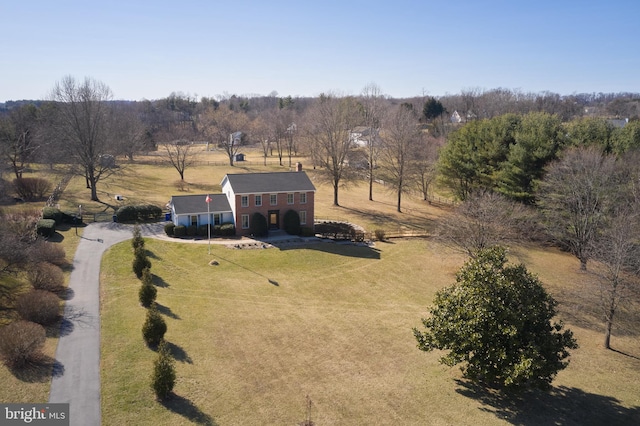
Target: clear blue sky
<point>148,49</point>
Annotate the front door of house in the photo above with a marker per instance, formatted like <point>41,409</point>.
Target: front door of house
<point>274,219</point>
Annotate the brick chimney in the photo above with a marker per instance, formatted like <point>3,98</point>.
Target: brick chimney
<point>298,167</point>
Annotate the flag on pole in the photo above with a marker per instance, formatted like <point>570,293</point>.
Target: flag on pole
<point>208,199</point>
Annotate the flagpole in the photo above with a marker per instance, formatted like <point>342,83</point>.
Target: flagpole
<point>209,222</point>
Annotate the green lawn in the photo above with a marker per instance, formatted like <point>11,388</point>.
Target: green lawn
<point>256,334</point>
<point>336,327</point>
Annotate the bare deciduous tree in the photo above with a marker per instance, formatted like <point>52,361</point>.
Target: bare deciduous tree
<point>483,220</point>
<point>178,148</point>
<point>330,124</point>
<point>128,130</point>
<point>373,108</point>
<point>221,124</point>
<point>18,143</point>
<point>618,255</point>
<point>81,125</point>
<point>399,143</point>
<point>575,197</point>
<point>423,165</point>
<point>259,130</point>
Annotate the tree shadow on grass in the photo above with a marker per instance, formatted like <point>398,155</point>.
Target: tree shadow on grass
<point>188,410</point>
<point>38,371</point>
<point>166,311</point>
<point>560,406</point>
<point>179,354</point>
<point>152,255</point>
<point>158,281</point>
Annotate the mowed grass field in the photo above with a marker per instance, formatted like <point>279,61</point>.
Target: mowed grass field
<point>257,334</point>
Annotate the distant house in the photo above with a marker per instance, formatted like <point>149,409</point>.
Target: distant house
<point>361,135</point>
<point>243,195</point>
<point>456,118</point>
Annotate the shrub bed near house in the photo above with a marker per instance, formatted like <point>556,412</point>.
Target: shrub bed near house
<point>169,228</point>
<point>259,226</point>
<point>192,230</point>
<point>179,231</point>
<point>203,230</point>
<point>292,222</point>
<point>227,229</point>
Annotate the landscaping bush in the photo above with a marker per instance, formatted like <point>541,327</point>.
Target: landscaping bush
<point>292,222</point>
<point>259,226</point>
<point>227,229</point>
<point>21,342</point>
<point>164,374</point>
<point>140,261</point>
<point>46,276</point>
<point>307,231</point>
<point>335,230</point>
<point>135,213</point>
<point>168,229</point>
<point>44,251</point>
<point>154,326</point>
<point>137,241</point>
<point>216,230</point>
<point>379,233</point>
<point>203,231</point>
<point>32,188</point>
<point>192,230</point>
<point>147,294</point>
<point>46,227</point>
<point>59,216</point>
<point>39,306</point>
<point>180,231</point>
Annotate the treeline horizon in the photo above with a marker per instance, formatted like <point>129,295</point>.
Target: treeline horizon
<point>476,103</point>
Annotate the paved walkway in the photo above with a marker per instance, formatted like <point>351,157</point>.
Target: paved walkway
<point>78,350</point>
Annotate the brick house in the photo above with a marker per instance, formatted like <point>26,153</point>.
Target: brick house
<point>243,194</point>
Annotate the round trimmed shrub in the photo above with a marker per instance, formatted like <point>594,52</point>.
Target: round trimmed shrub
<point>140,261</point>
<point>259,226</point>
<point>168,228</point>
<point>292,222</point>
<point>164,373</point>
<point>39,306</point>
<point>192,230</point>
<point>46,227</point>
<point>154,327</point>
<point>46,276</point>
<point>21,342</point>
<point>147,294</point>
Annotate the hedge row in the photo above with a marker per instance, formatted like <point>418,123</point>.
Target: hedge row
<point>339,231</point>
<point>58,215</point>
<point>138,213</point>
<point>223,230</point>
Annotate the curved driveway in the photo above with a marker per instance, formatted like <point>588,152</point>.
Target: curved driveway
<point>77,381</point>
<point>78,351</point>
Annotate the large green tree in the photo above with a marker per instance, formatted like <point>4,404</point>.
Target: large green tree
<point>538,139</point>
<point>497,321</point>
